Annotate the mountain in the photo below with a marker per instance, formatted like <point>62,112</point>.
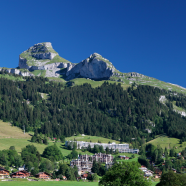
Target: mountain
<point>107,102</point>
<point>94,67</point>
<point>42,60</point>
<point>42,56</point>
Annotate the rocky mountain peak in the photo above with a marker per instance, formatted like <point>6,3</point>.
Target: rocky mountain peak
<point>42,56</point>
<point>41,48</point>
<point>93,67</point>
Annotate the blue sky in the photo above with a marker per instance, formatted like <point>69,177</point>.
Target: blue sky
<point>144,36</point>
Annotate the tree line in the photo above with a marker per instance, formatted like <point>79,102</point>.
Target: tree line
<point>108,110</point>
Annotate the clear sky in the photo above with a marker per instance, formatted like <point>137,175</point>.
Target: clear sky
<point>144,36</point>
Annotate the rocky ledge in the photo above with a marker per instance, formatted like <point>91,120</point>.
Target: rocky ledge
<point>16,71</point>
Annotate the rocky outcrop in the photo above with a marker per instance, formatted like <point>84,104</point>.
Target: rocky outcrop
<point>52,66</point>
<point>37,55</point>
<point>17,71</point>
<point>23,63</point>
<point>94,67</point>
<point>40,57</point>
<point>47,55</point>
<point>42,51</point>
<point>134,74</point>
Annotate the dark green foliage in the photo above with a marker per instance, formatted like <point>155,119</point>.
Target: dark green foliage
<point>98,168</point>
<point>107,111</point>
<point>10,157</point>
<point>126,173</point>
<point>62,138</point>
<point>34,171</point>
<point>52,153</point>
<point>62,169</point>
<point>46,165</point>
<point>143,161</point>
<point>172,179</point>
<point>70,174</point>
<point>31,157</point>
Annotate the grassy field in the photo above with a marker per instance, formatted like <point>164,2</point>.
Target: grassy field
<point>48,183</point>
<point>41,73</point>
<point>81,81</point>
<point>11,77</point>
<point>129,155</point>
<point>8,131</point>
<point>165,141</point>
<point>154,183</point>
<point>14,136</point>
<point>52,183</point>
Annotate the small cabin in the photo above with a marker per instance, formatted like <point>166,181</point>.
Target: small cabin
<point>20,174</point>
<point>42,175</point>
<point>4,173</point>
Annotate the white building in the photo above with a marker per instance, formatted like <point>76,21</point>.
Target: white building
<point>120,147</point>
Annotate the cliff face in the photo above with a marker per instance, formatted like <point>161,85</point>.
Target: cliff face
<point>17,71</point>
<point>42,56</point>
<point>94,67</point>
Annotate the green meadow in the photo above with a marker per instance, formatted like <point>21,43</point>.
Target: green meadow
<point>47,183</point>
<point>52,183</point>
<point>165,141</point>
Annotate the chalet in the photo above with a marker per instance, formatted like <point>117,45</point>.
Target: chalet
<point>148,173</point>
<point>4,173</point>
<point>122,156</point>
<point>20,174</point>
<point>156,176</point>
<point>143,168</point>
<point>84,176</point>
<point>126,158</point>
<point>64,177</point>
<point>42,175</point>
<point>158,172</point>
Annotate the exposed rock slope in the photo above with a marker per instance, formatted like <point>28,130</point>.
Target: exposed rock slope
<point>17,71</point>
<point>94,67</point>
<point>42,56</point>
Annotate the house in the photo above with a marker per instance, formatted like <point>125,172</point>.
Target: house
<point>126,158</point>
<point>84,176</point>
<point>64,177</point>
<point>122,156</point>
<point>156,176</point>
<point>143,168</point>
<point>148,173</point>
<point>4,173</point>
<point>20,174</point>
<point>42,175</point>
<point>158,172</point>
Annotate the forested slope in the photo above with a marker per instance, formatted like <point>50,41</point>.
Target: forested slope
<point>107,111</point>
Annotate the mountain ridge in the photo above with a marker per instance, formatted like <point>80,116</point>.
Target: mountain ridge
<point>42,60</point>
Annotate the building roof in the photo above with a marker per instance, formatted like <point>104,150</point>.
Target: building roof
<point>42,173</point>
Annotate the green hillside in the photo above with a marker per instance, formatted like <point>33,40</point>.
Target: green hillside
<point>169,143</point>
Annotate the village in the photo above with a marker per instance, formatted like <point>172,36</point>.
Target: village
<point>85,162</point>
